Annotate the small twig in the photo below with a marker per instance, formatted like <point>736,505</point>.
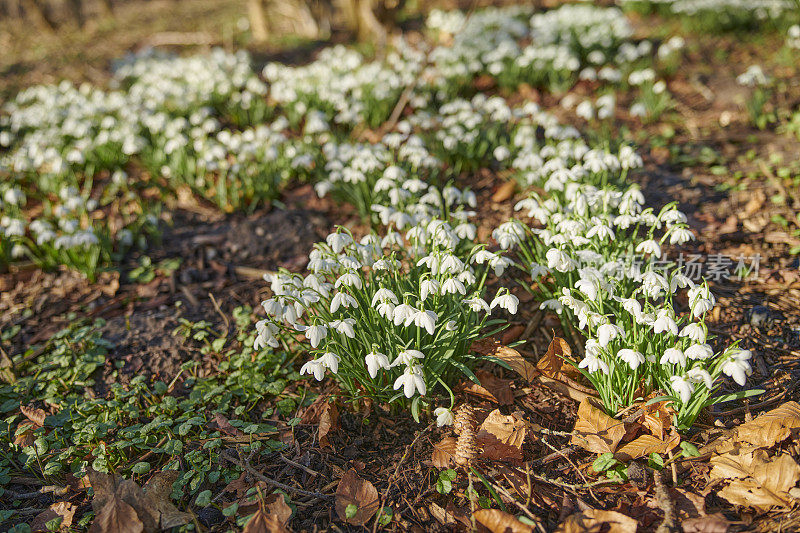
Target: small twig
<point>406,453</point>
<point>277,484</point>
<point>663,499</point>
<point>219,310</point>
<point>572,486</point>
<point>298,465</point>
<point>578,470</point>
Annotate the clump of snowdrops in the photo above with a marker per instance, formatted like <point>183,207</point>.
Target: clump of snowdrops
<point>391,318</point>
<point>639,348</point>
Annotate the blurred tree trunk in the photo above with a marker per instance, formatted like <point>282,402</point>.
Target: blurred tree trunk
<point>361,20</point>
<point>258,21</point>
<point>36,12</point>
<point>76,9</point>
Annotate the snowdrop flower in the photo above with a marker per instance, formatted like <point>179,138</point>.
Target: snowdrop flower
<point>315,334</point>
<point>665,323</point>
<point>345,327</point>
<point>501,153</point>
<point>673,356</point>
<point>680,235</point>
<point>694,332</point>
<point>632,306</point>
<point>592,364</point>
<point>315,367</point>
<point>682,387</point>
<point>374,361</point>
<point>477,304</point>
<point>411,380</point>
<point>403,314</point>
<point>700,300</point>
<point>585,110</point>
<point>506,301</point>
<point>551,304</point>
<point>350,279</point>
<point>426,319</point>
<point>699,351</point>
<point>331,361</point>
<point>601,231</point>
<point>649,247</point>
<point>338,241</point>
<point>738,367</point>
<point>538,271</point>
<point>428,287</point>
<point>451,265</point>
<point>384,295</point>
<point>452,286</point>
<point>632,357</point>
<point>499,264</point>
<point>444,416</point>
<point>558,260</point>
<point>342,299</point>
<point>608,332</point>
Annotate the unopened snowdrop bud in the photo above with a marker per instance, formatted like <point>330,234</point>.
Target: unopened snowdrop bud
<point>444,416</point>
<point>632,357</point>
<point>700,375</point>
<point>375,361</point>
<point>682,387</point>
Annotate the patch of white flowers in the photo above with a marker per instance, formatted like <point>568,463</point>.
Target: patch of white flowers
<point>392,316</point>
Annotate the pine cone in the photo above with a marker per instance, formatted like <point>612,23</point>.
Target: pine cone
<point>466,427</point>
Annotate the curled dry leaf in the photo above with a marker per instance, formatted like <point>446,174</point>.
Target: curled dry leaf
<point>772,427</point>
<point>33,414</point>
<point>226,427</point>
<point>497,521</point>
<point>512,333</point>
<point>510,356</point>
<point>757,480</point>
<point>65,510</point>
<point>594,520</point>
<point>116,516</point>
<point>552,363</point>
<point>328,421</point>
<point>491,388</point>
<point>595,431</point>
<point>501,437</point>
<point>504,191</point>
<point>354,490</point>
<point>443,452</point>
<point>645,445</point>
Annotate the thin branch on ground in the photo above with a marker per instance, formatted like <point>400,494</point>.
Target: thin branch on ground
<point>276,484</point>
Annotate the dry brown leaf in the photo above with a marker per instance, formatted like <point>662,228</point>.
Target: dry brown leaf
<point>595,431</point>
<point>226,427</point>
<point>771,427</point>
<point>510,356</point>
<point>715,523</point>
<point>275,505</point>
<point>65,510</point>
<point>497,521</point>
<point>757,480</point>
<point>501,437</point>
<point>596,521</point>
<point>25,438</point>
<point>116,516</point>
<point>517,480</point>
<point>328,421</point>
<point>552,363</point>
<point>443,452</point>
<point>151,505</point>
<point>512,333</point>
<point>263,521</point>
<point>33,414</point>
<point>491,388</point>
<point>644,445</point>
<point>504,191</point>
<point>440,514</point>
<point>354,490</point>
